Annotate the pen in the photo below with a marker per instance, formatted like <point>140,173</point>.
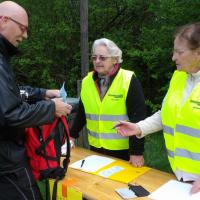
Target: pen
<point>117,125</point>
<point>82,163</point>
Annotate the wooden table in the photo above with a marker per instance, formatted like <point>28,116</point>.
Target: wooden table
<point>96,187</point>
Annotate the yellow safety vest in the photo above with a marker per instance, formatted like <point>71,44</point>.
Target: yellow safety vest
<point>181,124</point>
<point>102,115</point>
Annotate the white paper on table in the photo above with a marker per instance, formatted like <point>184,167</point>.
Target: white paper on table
<point>92,163</point>
<point>174,190</point>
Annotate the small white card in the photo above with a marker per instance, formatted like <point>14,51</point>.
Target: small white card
<point>126,193</point>
<point>110,171</point>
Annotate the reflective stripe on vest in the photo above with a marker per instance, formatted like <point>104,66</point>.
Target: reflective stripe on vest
<point>106,117</point>
<point>106,135</point>
<point>184,130</point>
<point>187,154</point>
<point>170,153</point>
<point>188,131</point>
<point>184,153</point>
<point>102,115</point>
<point>181,124</point>
<point>168,130</point>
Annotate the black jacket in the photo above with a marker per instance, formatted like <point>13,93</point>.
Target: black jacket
<point>136,111</point>
<point>16,114</point>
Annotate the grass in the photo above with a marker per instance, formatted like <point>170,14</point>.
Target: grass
<point>155,152</point>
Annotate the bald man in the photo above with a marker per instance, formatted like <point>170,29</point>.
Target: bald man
<point>16,180</point>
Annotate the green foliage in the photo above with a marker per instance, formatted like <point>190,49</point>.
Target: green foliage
<point>155,153</point>
<point>143,29</point>
<point>49,56</point>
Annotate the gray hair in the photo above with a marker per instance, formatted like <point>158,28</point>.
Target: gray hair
<point>112,48</point>
<point>191,33</point>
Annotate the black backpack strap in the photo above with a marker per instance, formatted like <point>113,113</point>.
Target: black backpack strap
<point>65,161</point>
<point>54,193</point>
<point>45,143</point>
<point>41,150</point>
<point>67,156</point>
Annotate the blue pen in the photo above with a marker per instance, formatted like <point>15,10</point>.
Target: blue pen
<point>117,125</point>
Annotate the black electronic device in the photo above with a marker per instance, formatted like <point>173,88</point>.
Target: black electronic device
<point>139,190</point>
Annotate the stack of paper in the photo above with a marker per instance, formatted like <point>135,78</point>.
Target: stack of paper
<point>174,190</point>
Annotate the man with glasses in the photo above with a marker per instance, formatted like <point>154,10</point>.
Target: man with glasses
<point>16,180</point>
<point>23,27</point>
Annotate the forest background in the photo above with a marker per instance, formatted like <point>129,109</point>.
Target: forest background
<point>143,29</point>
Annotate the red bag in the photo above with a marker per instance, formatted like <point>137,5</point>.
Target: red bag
<point>43,146</point>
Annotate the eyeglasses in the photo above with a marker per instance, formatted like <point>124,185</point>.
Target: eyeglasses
<point>23,27</point>
<point>101,58</point>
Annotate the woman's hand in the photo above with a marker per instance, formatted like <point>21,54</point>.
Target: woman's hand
<point>127,128</point>
<point>196,186</point>
<point>136,160</point>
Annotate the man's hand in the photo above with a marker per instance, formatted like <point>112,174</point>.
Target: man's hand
<point>136,161</point>
<point>127,128</point>
<point>50,94</point>
<point>196,186</point>
<point>61,108</point>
